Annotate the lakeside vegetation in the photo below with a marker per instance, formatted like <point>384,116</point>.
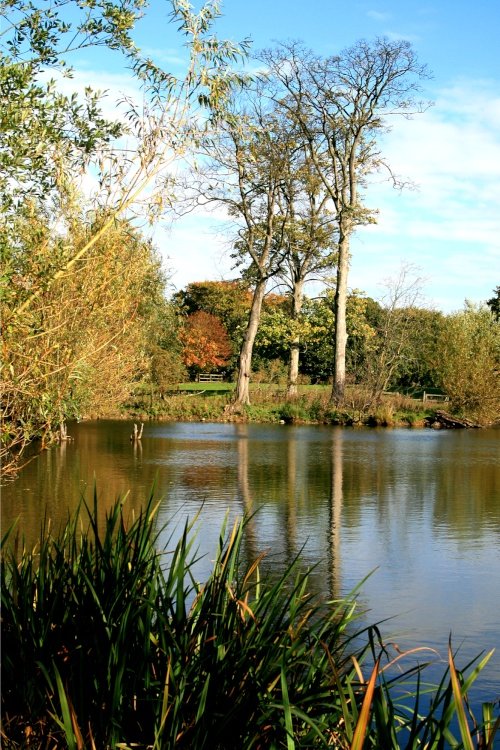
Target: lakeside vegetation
<point>270,403</point>
<point>109,642</point>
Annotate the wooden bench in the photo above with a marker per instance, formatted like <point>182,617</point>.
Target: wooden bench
<point>209,377</point>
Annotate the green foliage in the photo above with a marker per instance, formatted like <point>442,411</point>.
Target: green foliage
<point>45,34</point>
<point>469,349</point>
<point>317,358</point>
<point>107,642</point>
<point>275,334</point>
<point>294,411</point>
<point>403,352</point>
<point>272,371</point>
<point>419,367</point>
<point>227,300</point>
<point>44,131</point>
<point>167,368</point>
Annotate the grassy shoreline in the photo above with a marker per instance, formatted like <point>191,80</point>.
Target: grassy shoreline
<point>269,404</point>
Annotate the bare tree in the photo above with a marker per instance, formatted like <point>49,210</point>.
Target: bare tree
<point>247,162</point>
<point>310,236</point>
<point>342,105</point>
<point>394,343</point>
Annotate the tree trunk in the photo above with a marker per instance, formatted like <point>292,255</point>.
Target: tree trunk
<point>242,395</point>
<point>293,365</point>
<point>293,368</point>
<point>340,325</point>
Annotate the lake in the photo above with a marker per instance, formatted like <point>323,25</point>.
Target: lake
<point>415,510</point>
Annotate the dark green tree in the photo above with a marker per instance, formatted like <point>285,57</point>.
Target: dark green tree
<point>494,303</point>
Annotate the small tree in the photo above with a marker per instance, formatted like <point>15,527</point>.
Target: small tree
<point>392,347</point>
<point>167,369</point>
<point>206,343</point>
<point>229,301</point>
<point>469,349</point>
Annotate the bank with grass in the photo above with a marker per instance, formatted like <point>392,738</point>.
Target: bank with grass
<point>269,403</point>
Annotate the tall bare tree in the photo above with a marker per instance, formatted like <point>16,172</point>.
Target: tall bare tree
<point>342,105</point>
<point>247,162</point>
<point>310,241</point>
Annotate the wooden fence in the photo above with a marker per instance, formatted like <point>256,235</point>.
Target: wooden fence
<point>435,397</point>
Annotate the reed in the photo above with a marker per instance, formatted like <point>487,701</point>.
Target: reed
<point>110,643</point>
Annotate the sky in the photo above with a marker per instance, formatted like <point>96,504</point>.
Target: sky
<point>447,228</point>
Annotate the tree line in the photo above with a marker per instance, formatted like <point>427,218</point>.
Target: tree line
<point>394,343</point>
<point>288,153</point>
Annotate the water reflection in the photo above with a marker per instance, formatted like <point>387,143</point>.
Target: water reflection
<point>420,508</point>
<point>336,501</point>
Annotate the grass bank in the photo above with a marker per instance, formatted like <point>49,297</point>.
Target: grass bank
<point>109,643</point>
<point>269,403</point>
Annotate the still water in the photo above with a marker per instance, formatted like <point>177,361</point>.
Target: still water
<point>417,511</point>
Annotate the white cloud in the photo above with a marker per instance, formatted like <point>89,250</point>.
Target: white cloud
<point>396,36</point>
<point>378,15</point>
<point>194,249</point>
<point>164,56</point>
<point>114,89</point>
<point>450,226</point>
<point>116,84</point>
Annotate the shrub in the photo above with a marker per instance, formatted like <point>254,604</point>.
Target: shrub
<point>293,411</point>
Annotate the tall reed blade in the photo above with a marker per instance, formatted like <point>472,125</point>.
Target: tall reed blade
<point>364,716</point>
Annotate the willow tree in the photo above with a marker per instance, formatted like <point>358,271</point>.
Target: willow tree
<point>343,104</point>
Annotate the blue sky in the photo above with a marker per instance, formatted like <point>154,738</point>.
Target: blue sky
<point>448,227</point>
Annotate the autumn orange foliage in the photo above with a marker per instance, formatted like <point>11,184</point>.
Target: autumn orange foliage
<point>206,342</point>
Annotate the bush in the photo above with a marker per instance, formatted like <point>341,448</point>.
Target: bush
<point>470,362</point>
<point>274,371</point>
<point>294,411</point>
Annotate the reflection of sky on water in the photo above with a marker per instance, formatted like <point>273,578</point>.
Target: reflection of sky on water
<point>419,508</point>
